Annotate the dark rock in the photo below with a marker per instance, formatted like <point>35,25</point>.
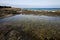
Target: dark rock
<point>5,7</point>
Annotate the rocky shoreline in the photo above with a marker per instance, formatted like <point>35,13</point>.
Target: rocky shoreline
<point>30,30</point>
<point>9,10</point>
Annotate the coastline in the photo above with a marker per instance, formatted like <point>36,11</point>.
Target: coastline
<point>13,11</point>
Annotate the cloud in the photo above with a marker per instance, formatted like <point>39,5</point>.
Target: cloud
<point>32,3</point>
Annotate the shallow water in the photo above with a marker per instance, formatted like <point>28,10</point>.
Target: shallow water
<point>19,19</point>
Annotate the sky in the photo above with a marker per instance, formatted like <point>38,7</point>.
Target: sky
<point>31,3</point>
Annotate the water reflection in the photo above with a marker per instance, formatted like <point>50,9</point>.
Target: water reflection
<point>32,18</point>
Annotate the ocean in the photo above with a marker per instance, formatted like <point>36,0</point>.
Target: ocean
<point>42,8</point>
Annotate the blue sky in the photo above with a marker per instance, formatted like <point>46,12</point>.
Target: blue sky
<point>31,3</point>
